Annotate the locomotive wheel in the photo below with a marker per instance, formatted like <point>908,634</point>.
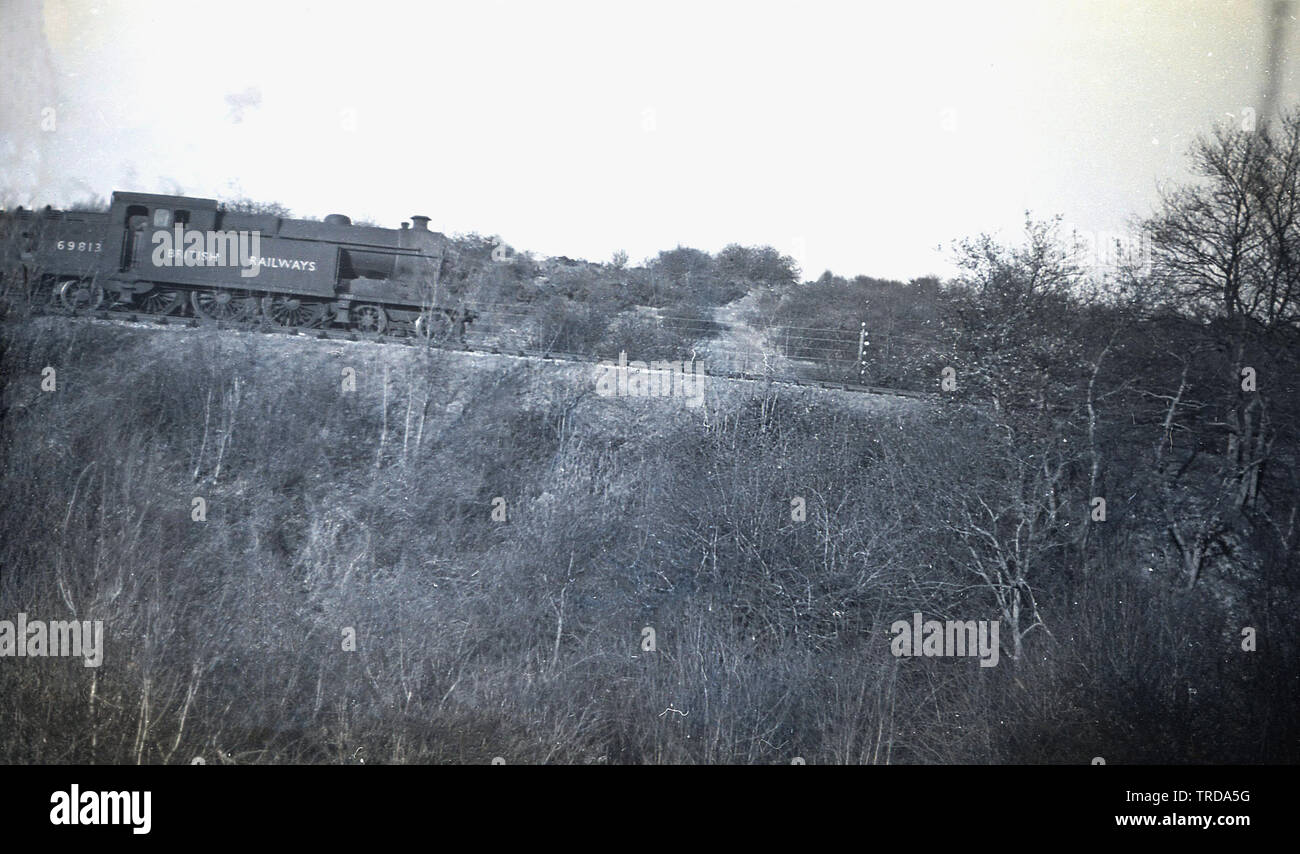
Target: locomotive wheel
<point>76,295</point>
<point>291,311</point>
<point>370,319</point>
<point>434,326</point>
<point>221,305</point>
<point>160,302</point>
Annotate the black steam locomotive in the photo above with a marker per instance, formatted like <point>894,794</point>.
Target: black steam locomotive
<point>171,255</point>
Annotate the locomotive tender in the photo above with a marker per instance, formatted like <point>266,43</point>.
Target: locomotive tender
<point>170,255</point>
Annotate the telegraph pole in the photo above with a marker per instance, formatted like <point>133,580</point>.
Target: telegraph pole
<point>863,343</point>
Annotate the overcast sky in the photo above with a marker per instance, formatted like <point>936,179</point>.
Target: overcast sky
<point>856,136</point>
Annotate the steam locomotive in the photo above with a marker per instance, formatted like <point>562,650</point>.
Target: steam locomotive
<point>172,255</point>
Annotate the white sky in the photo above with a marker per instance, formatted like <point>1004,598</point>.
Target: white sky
<point>855,136</point>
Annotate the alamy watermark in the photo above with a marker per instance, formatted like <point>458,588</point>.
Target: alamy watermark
<point>75,807</point>
<point>1111,251</point>
<point>933,638</point>
<point>183,247</point>
<point>57,638</point>
<point>683,379</point>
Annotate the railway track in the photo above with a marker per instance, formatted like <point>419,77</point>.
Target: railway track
<point>472,343</point>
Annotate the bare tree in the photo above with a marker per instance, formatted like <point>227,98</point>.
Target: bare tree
<point>1228,247</point>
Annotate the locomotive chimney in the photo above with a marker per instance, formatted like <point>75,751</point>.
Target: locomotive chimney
<point>420,223</point>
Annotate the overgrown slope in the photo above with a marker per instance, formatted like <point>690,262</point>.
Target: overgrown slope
<point>332,514</point>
